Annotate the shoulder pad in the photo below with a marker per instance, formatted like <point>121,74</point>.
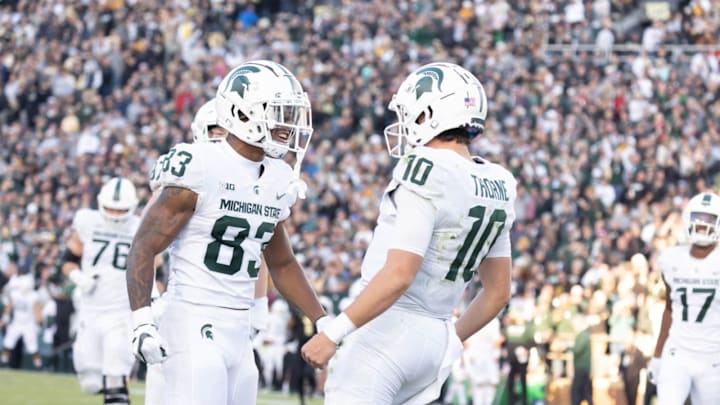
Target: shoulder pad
<point>421,173</point>
<point>182,167</point>
<point>155,173</point>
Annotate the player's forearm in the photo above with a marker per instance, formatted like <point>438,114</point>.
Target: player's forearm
<point>486,305</point>
<point>664,330</point>
<point>291,282</point>
<point>262,281</point>
<point>380,294</point>
<point>140,276</point>
<point>161,224</point>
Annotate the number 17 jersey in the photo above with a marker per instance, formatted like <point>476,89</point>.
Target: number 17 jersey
<point>215,259</point>
<point>694,285</point>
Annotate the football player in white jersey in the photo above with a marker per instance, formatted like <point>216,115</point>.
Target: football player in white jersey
<point>204,128</point>
<point>96,260</point>
<point>22,317</point>
<point>482,356</point>
<point>687,353</point>
<point>222,207</point>
<point>444,216</point>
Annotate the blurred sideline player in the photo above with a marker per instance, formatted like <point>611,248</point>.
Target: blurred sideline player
<point>221,206</point>
<point>96,261</point>
<point>687,353</point>
<point>444,216</point>
<point>482,356</point>
<point>22,316</point>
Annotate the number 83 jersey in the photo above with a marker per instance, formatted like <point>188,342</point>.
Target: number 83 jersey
<point>215,259</point>
<point>450,210</point>
<point>694,285</point>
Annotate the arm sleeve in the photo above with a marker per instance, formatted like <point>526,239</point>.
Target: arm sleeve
<point>414,223</point>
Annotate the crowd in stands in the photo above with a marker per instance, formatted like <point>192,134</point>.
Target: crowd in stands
<point>607,147</point>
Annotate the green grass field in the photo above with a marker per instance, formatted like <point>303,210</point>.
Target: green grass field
<point>36,388</point>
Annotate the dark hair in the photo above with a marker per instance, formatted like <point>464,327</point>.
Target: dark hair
<point>459,135</point>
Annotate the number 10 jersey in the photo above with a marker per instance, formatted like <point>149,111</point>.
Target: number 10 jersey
<point>469,210</point>
<point>215,259</point>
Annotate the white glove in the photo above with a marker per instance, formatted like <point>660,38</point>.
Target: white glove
<point>158,306</point>
<point>653,369</point>
<point>147,344</point>
<point>298,187</point>
<point>85,282</point>
<point>259,315</point>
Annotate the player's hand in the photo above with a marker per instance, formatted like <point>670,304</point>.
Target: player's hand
<point>653,369</point>
<point>147,344</point>
<point>298,187</point>
<point>84,281</point>
<point>259,315</point>
<point>318,350</point>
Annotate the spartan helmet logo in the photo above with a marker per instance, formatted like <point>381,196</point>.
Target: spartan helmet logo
<point>424,84</point>
<point>206,331</point>
<point>238,82</point>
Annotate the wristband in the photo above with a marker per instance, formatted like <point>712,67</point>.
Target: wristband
<point>322,323</point>
<point>261,302</point>
<point>339,328</point>
<point>142,316</point>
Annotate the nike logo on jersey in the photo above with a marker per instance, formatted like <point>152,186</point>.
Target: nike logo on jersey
<point>279,196</point>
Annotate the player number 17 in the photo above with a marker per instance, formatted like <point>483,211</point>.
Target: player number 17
<point>706,305</point>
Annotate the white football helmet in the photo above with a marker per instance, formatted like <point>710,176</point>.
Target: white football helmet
<point>433,99</point>
<point>701,217</point>
<point>117,194</point>
<point>205,117</point>
<point>259,96</point>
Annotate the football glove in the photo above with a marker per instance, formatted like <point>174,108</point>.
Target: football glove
<point>259,315</point>
<point>653,369</point>
<point>147,344</point>
<point>298,187</point>
<point>84,281</point>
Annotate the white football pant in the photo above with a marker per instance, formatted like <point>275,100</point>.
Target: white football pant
<point>387,361</point>
<point>102,345</point>
<point>28,330</point>
<point>684,372</point>
<point>210,356</point>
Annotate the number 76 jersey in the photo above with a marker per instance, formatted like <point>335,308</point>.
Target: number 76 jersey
<point>105,250</point>
<point>694,292</point>
<point>467,208</point>
<point>215,259</point>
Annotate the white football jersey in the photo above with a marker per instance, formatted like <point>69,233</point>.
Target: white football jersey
<point>694,285</point>
<point>473,203</point>
<point>105,250</point>
<point>215,259</point>
<point>23,298</point>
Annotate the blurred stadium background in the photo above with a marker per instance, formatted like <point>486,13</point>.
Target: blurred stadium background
<point>607,112</point>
